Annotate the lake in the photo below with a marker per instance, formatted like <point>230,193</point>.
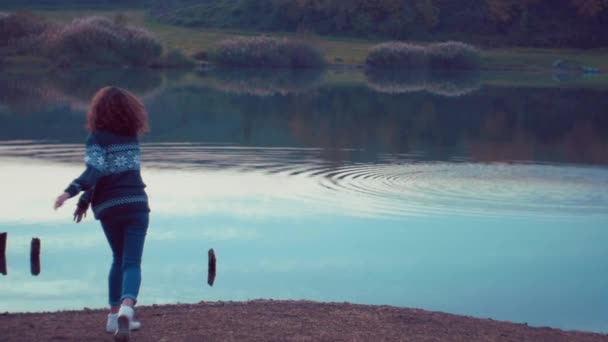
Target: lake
<point>456,193</point>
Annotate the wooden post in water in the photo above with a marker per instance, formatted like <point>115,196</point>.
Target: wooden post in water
<point>35,257</point>
<point>3,253</point>
<point>211,267</point>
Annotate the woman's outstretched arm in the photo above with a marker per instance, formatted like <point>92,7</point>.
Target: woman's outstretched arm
<point>95,161</point>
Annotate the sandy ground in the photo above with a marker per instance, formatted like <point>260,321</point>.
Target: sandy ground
<point>268,320</point>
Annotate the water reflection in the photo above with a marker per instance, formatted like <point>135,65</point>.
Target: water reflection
<point>351,123</point>
<point>348,122</point>
<point>24,93</point>
<point>451,84</point>
<point>262,82</point>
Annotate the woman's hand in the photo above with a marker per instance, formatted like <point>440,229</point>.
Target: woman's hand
<point>61,199</point>
<point>79,213</point>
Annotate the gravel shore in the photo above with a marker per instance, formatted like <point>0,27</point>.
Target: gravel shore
<point>269,320</point>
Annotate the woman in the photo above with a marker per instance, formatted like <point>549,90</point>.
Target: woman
<point>112,184</point>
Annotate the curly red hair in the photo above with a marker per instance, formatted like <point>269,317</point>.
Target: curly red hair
<point>117,110</point>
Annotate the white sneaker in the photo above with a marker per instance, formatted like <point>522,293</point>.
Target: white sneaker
<point>125,317</point>
<point>112,323</point>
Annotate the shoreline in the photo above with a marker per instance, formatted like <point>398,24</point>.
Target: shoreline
<point>42,65</point>
<point>270,320</point>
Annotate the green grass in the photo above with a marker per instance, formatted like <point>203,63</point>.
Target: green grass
<point>338,50</point>
<point>542,80</point>
<point>540,59</point>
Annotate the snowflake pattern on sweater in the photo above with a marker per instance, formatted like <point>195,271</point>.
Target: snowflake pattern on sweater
<point>111,181</point>
<point>114,158</point>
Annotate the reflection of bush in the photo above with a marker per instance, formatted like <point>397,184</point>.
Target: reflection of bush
<point>441,83</point>
<point>448,83</point>
<point>83,85</point>
<point>264,82</point>
<point>24,93</point>
<point>266,52</point>
<point>395,82</point>
<point>27,92</point>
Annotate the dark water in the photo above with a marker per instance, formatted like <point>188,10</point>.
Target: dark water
<point>446,192</point>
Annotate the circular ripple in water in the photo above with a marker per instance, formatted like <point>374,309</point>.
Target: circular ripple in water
<point>390,188</point>
<point>467,189</point>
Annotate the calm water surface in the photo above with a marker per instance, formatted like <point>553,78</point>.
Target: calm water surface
<point>441,192</point>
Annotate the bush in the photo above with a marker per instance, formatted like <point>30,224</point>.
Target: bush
<point>303,55</point>
<point>100,40</point>
<point>93,40</point>
<point>397,55</point>
<point>453,55</point>
<point>438,56</point>
<point>266,52</point>
<point>20,32</point>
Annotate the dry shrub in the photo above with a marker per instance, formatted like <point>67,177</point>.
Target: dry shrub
<point>454,56</point>
<point>95,40</point>
<point>397,55</point>
<point>266,52</point>
<point>20,32</point>
<point>438,56</point>
<point>99,40</point>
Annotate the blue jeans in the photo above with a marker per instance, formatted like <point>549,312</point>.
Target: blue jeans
<point>126,235</point>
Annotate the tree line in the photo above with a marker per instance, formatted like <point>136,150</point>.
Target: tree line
<point>543,23</point>
<point>554,23</point>
<point>79,3</point>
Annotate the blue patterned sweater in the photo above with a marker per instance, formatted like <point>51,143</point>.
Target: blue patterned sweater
<point>112,180</point>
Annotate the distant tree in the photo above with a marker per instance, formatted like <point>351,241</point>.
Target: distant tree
<point>429,12</point>
<point>590,8</point>
<point>515,13</point>
<point>507,10</point>
<point>501,10</point>
<point>556,23</point>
